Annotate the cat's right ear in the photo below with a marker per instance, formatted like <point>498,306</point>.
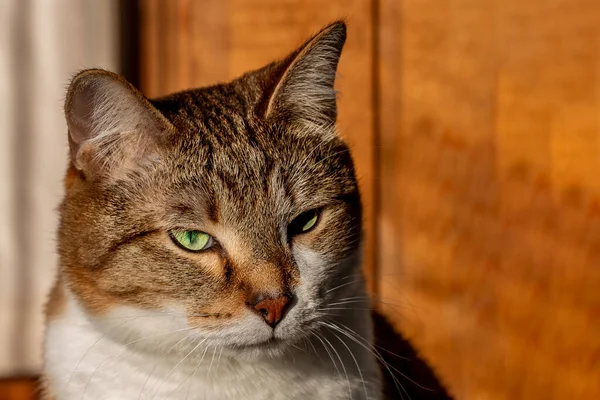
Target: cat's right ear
<point>113,128</point>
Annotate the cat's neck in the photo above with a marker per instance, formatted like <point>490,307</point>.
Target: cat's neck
<point>88,363</point>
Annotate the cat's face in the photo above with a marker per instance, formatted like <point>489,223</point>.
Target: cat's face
<point>229,213</point>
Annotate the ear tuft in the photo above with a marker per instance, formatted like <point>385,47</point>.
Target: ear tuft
<point>305,91</point>
<point>112,126</point>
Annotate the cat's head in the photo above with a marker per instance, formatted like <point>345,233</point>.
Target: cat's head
<point>230,213</point>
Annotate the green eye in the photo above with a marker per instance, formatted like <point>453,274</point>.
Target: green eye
<point>304,222</point>
<point>308,225</point>
<point>192,240</point>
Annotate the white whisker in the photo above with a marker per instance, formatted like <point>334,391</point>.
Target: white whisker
<point>160,361</point>
<point>355,362</point>
<point>342,364</point>
<point>88,350</point>
<point>177,365</point>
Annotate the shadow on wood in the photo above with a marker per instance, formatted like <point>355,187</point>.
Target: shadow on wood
<point>415,378</point>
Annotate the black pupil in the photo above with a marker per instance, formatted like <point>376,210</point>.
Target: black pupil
<point>297,225</point>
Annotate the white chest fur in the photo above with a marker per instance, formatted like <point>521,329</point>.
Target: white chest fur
<point>83,363</point>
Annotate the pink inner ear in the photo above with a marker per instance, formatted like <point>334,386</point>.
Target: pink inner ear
<point>79,120</point>
<point>112,127</point>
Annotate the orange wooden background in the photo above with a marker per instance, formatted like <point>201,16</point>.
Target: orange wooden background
<point>18,389</point>
<point>490,126</point>
<point>475,126</point>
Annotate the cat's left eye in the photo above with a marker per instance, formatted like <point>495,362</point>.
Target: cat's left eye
<point>192,240</point>
<point>304,222</point>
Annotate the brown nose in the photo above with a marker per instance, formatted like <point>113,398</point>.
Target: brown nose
<point>271,309</point>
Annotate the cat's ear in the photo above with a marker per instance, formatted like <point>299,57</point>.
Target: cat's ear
<point>113,128</point>
<point>305,88</point>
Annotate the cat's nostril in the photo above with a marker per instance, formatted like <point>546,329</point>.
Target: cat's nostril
<point>271,309</point>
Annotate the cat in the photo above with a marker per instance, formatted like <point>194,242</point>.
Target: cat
<point>209,241</point>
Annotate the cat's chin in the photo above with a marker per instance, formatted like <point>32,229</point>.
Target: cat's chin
<point>272,348</point>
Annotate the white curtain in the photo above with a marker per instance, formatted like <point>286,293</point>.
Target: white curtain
<point>42,44</point>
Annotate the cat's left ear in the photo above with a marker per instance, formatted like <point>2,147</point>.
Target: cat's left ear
<point>304,89</point>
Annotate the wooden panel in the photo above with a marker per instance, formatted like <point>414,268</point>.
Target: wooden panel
<point>18,389</point>
<point>194,43</point>
<point>490,209</point>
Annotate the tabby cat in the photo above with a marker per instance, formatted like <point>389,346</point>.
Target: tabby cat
<point>209,241</point>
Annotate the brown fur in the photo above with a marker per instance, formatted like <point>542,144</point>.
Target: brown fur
<point>211,159</point>
<point>57,300</point>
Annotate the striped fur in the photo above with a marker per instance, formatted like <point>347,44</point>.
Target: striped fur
<point>135,316</point>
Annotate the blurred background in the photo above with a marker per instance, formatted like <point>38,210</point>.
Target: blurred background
<point>475,127</point>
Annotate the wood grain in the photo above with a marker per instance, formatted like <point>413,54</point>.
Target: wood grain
<point>195,43</point>
<point>490,208</point>
<point>18,389</point>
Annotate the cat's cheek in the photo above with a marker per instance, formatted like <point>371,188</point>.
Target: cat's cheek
<point>313,268</point>
<point>215,311</point>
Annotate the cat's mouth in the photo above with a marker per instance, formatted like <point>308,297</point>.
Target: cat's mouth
<point>270,343</point>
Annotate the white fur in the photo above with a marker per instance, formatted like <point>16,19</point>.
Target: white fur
<point>137,354</point>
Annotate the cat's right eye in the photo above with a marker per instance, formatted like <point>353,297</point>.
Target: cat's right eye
<point>304,222</point>
<point>192,240</point>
